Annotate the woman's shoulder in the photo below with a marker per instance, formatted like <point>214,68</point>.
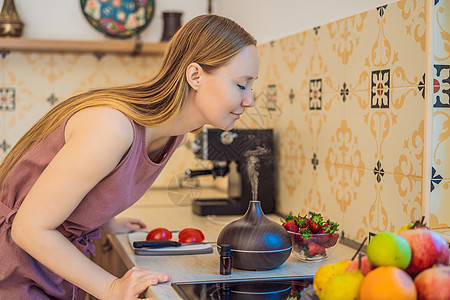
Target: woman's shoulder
<point>104,122</point>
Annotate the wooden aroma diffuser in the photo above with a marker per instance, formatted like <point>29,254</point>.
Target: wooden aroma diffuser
<point>257,243</point>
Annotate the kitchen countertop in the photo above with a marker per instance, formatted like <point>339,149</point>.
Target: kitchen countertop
<point>157,210</point>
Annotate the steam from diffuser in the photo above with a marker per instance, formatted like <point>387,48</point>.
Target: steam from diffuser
<point>252,166</point>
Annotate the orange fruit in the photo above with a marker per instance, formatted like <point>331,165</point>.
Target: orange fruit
<point>388,282</point>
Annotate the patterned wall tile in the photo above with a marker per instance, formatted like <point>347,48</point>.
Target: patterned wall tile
<point>51,67</point>
<point>331,130</point>
<point>375,148</point>
<point>294,144</point>
<point>442,32</point>
<point>87,73</point>
<point>403,36</point>
<point>292,164</point>
<point>385,205</point>
<point>409,191</point>
<point>401,196</point>
<point>4,147</point>
<point>367,55</point>
<point>347,36</point>
<point>334,193</point>
<point>436,179</point>
<point>313,194</point>
<point>359,84</point>
<point>357,222</point>
<point>441,142</point>
<point>345,183</point>
<point>7,98</point>
<point>321,66</point>
<point>364,129</point>
<point>293,52</point>
<point>441,87</point>
<point>401,133</point>
<point>440,210</point>
<point>326,65</point>
<point>32,91</point>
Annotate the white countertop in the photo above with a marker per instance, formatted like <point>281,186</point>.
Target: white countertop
<point>156,210</point>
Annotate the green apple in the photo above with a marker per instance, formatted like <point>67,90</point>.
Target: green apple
<point>389,249</point>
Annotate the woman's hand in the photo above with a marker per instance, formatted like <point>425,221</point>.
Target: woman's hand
<point>123,225</point>
<point>134,282</point>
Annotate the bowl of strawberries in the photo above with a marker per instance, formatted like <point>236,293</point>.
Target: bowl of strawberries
<point>313,238</point>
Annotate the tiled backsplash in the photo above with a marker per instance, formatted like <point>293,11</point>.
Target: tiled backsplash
<point>347,100</point>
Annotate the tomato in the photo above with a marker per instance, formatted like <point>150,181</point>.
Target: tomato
<point>190,235</point>
<point>159,234</point>
<point>191,231</point>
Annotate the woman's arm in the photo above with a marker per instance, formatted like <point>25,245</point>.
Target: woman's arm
<point>96,141</point>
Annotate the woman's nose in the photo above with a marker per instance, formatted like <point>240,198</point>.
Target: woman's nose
<point>249,100</point>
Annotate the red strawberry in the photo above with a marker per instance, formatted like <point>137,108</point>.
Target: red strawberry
<point>332,239</point>
<point>291,226</point>
<point>321,237</point>
<point>315,222</point>
<point>320,231</point>
<point>330,226</point>
<point>302,221</point>
<point>304,236</point>
<point>314,249</point>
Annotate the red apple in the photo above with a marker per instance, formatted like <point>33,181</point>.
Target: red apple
<point>427,248</point>
<point>433,284</point>
<point>366,266</point>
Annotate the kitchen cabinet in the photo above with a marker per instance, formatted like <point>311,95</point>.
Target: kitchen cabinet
<point>107,257</point>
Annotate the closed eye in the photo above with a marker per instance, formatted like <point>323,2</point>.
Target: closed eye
<point>242,87</point>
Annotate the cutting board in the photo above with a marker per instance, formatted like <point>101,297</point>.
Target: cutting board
<point>182,250</point>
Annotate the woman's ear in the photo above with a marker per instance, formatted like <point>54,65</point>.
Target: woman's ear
<point>194,74</point>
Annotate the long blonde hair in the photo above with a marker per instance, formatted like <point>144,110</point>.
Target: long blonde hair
<point>209,40</point>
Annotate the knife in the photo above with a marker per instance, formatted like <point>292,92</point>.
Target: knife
<point>163,244</point>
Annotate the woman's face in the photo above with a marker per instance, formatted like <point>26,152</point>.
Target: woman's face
<point>223,95</point>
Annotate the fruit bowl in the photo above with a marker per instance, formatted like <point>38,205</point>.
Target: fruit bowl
<point>315,248</point>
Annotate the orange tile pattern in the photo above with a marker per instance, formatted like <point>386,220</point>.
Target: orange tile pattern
<point>348,114</point>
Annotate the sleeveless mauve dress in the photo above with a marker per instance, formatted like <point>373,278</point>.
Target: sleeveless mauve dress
<point>23,277</point>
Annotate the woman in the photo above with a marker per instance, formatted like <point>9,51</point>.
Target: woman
<point>95,154</point>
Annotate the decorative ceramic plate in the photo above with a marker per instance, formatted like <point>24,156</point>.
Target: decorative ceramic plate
<point>118,18</point>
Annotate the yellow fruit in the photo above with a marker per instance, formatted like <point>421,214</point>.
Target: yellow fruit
<point>386,283</point>
<point>342,266</point>
<point>405,227</point>
<point>345,286</point>
<point>326,272</point>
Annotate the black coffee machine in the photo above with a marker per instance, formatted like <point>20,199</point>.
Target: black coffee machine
<point>230,153</point>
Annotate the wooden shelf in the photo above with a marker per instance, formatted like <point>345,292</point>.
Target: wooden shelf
<point>72,46</point>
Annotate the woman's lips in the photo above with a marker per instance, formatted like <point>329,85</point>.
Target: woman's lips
<point>237,116</point>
